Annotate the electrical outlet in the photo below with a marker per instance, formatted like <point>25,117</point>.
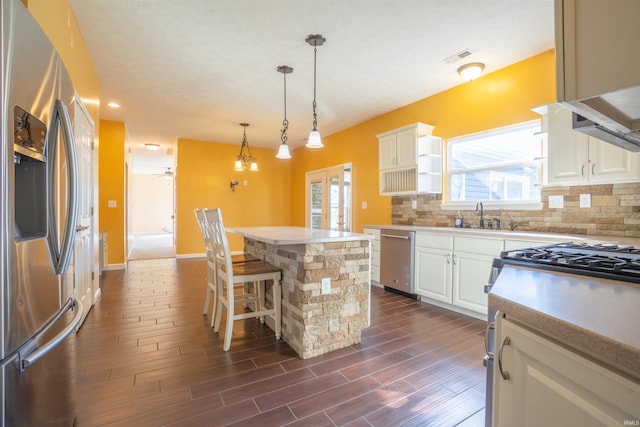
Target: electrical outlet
<point>414,204</point>
<point>556,202</point>
<point>112,204</point>
<point>326,285</point>
<point>585,200</point>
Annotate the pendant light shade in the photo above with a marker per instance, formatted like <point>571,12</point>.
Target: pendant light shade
<point>283,151</point>
<point>315,141</point>
<point>245,160</point>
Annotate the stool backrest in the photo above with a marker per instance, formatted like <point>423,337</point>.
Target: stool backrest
<point>218,235</point>
<point>206,236</point>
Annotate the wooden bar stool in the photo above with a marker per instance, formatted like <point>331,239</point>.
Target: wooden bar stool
<point>229,275</point>
<point>236,257</point>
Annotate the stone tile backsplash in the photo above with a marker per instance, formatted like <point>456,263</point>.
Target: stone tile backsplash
<point>614,211</point>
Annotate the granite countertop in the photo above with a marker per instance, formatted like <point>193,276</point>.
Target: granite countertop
<point>515,235</point>
<point>296,235</point>
<point>597,317</point>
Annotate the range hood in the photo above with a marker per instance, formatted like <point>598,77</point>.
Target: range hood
<point>602,120</point>
<point>597,68</point>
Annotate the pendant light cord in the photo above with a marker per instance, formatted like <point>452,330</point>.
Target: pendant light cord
<point>285,122</point>
<point>315,119</point>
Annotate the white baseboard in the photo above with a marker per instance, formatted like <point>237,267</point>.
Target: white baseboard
<point>185,256</point>
<point>115,267</point>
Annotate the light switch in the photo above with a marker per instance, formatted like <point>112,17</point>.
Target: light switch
<point>364,205</point>
<point>585,200</point>
<point>414,204</point>
<point>245,183</point>
<point>112,204</point>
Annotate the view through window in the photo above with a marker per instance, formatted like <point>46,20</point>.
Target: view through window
<point>497,165</point>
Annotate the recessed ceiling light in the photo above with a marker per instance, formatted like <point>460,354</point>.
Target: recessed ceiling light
<point>113,105</point>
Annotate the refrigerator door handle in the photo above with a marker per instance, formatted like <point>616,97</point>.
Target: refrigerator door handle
<point>61,255</point>
<point>29,359</point>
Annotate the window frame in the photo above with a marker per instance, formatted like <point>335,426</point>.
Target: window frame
<point>531,204</point>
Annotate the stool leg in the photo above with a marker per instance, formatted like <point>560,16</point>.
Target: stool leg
<point>216,315</point>
<point>207,298</point>
<point>277,305</point>
<point>230,315</point>
<point>260,306</point>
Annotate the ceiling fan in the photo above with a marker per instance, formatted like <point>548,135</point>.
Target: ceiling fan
<point>167,174</point>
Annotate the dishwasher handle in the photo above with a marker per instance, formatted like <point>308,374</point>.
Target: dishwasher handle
<point>395,236</point>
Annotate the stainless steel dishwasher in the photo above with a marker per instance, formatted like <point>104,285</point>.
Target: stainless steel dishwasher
<point>396,261</point>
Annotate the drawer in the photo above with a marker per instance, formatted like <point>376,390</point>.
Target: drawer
<point>479,245</point>
<point>436,241</point>
<point>373,231</point>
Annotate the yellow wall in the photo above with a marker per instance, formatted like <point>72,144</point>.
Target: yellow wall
<point>59,23</point>
<point>497,99</point>
<point>204,171</point>
<point>112,187</point>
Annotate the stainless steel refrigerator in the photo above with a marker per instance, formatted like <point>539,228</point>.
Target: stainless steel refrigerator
<point>38,218</point>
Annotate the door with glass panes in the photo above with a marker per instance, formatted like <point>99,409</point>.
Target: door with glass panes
<point>328,198</point>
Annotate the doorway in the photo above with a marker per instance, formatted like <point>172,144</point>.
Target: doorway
<point>151,205</point>
<point>329,198</point>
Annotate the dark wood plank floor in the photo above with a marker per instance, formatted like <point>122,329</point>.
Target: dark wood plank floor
<point>147,357</point>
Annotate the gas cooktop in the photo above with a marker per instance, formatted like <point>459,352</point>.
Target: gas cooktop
<point>611,261</point>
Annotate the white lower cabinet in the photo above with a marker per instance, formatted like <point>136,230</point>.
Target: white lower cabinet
<point>375,252</point>
<point>550,385</point>
<point>434,258</point>
<point>454,269</point>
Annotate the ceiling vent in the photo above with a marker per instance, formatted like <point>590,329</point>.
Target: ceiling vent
<point>458,56</point>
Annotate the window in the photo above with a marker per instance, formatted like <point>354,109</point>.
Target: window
<point>500,165</point>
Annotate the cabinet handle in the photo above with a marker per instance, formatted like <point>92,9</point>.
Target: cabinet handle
<point>490,326</point>
<point>582,171</point>
<point>448,259</point>
<point>593,169</point>
<point>455,260</point>
<point>505,374</point>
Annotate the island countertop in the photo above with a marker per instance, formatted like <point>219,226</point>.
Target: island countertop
<point>296,235</point>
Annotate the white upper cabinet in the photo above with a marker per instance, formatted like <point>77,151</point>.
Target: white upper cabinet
<point>596,47</point>
<point>410,160</point>
<point>575,158</point>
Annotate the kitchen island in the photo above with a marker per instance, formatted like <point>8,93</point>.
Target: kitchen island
<point>316,322</point>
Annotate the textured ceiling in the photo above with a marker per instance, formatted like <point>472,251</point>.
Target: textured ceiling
<point>197,68</point>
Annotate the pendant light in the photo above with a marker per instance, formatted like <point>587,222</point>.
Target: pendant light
<point>244,160</point>
<point>314,140</point>
<point>283,151</point>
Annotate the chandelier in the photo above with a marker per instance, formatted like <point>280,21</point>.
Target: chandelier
<point>245,161</point>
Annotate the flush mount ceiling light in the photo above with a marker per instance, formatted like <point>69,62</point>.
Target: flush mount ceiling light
<point>244,160</point>
<point>283,151</point>
<point>113,105</point>
<point>152,147</point>
<point>314,140</point>
<point>471,71</point>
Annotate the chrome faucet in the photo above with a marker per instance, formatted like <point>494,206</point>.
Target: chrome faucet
<point>512,224</point>
<point>479,207</point>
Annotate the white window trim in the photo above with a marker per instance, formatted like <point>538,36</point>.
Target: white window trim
<point>492,205</point>
<point>488,204</point>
